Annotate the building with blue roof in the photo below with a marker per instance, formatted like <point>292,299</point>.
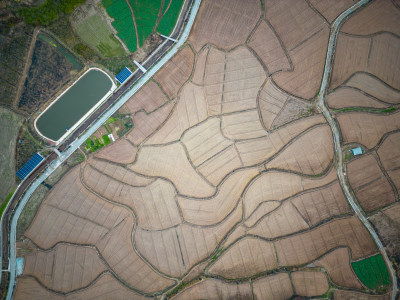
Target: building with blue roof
<point>30,165</point>
<point>123,75</point>
<point>356,151</point>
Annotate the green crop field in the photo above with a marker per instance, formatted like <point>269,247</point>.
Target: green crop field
<point>170,16</point>
<point>119,10</point>
<point>96,34</point>
<point>146,13</point>
<point>372,272</point>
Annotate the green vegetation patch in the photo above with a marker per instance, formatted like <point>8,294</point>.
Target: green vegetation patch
<point>9,124</point>
<point>96,34</point>
<point>372,272</point>
<point>170,16</point>
<point>4,204</point>
<point>366,109</point>
<point>146,15</point>
<point>119,10</point>
<point>106,140</point>
<point>49,11</point>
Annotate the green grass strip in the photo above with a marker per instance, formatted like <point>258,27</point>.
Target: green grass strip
<point>372,272</point>
<point>366,109</point>
<point>4,204</point>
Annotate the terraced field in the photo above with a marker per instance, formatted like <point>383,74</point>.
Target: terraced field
<point>226,187</point>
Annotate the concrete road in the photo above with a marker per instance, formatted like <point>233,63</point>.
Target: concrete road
<point>340,168</point>
<point>89,132</point>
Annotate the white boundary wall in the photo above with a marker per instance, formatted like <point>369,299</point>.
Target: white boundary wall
<point>80,121</point>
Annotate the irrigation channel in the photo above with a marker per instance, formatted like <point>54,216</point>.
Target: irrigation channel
<point>153,64</point>
<point>340,168</point>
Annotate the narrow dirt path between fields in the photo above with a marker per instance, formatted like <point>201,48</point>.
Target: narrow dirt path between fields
<point>28,62</point>
<point>341,167</point>
<point>160,14</point>
<point>134,24</point>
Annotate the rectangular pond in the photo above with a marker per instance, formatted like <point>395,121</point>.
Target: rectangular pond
<point>74,105</point>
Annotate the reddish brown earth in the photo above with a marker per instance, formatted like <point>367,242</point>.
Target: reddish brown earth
<point>172,76</point>
<point>337,264</point>
<point>268,47</point>
<point>349,97</point>
<point>225,23</point>
<point>225,188</point>
<point>372,189</point>
<point>376,17</point>
<point>331,10</point>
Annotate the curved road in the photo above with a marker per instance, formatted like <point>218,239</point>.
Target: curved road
<point>74,145</point>
<point>330,54</point>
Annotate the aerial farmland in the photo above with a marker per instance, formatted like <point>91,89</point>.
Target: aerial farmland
<point>262,161</point>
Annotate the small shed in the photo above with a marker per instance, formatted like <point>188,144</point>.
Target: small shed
<point>356,151</point>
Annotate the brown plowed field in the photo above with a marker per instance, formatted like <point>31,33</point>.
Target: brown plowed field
<point>331,10</point>
<point>70,213</point>
<point>214,80</point>
<point>179,242</point>
<point>378,16</point>
<point>204,141</point>
<point>276,287</point>
<point>65,268</point>
<point>348,97</point>
<point>267,46</point>
<point>389,152</point>
<point>263,209</point>
<point>337,264</point>
<point>190,110</point>
<point>283,221</point>
<point>385,58</point>
<point>374,87</point>
<point>278,186</point>
<point>215,209</point>
<point>308,61</point>
<point>154,205</point>
<point>120,173</point>
<point>149,98</point>
<point>225,23</point>
<point>146,124</point>
<point>351,55</point>
<point>309,154</point>
<point>121,152</point>
<point>271,101</point>
<point>322,204</point>
<point>243,125</point>
<point>246,258</point>
<point>176,71</point>
<point>306,247</point>
<point>372,189</point>
<point>393,212</point>
<point>229,168</point>
<point>350,295</point>
<point>214,289</point>
<point>256,151</point>
<point>366,129</point>
<point>200,66</point>
<point>293,20</point>
<point>356,54</point>
<point>309,284</point>
<point>243,77</point>
<point>171,162</point>
<point>104,288</point>
<point>220,165</point>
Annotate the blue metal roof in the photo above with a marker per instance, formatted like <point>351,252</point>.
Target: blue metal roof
<point>123,75</point>
<point>29,166</point>
<point>356,151</point>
